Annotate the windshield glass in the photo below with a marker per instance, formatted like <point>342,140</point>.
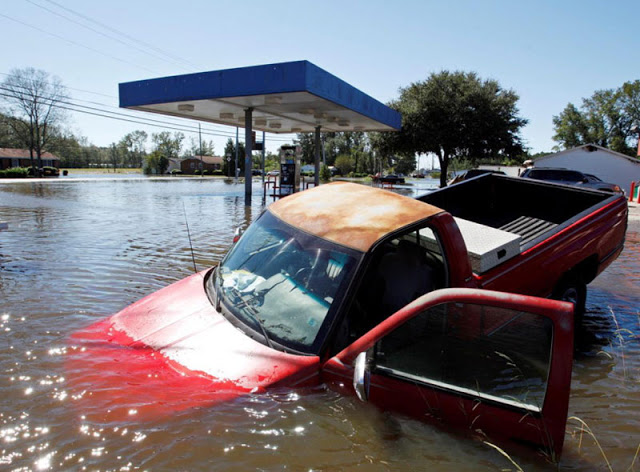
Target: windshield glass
<point>285,284</point>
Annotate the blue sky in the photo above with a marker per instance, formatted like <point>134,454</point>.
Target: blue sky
<point>550,52</point>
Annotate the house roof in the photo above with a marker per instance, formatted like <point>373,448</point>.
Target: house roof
<point>207,159</point>
<point>584,147</point>
<point>350,214</point>
<point>10,153</point>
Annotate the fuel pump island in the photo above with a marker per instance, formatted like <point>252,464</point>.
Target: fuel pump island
<point>283,98</point>
<point>289,169</point>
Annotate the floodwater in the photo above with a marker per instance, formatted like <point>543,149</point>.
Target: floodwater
<point>79,250</point>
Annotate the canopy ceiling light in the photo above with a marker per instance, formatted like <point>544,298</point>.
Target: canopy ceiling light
<point>225,115</point>
<point>260,122</point>
<point>186,107</point>
<point>296,130</point>
<point>307,111</point>
<point>275,124</point>
<point>272,100</point>
<point>343,123</point>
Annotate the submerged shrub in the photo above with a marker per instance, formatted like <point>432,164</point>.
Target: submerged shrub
<point>15,172</point>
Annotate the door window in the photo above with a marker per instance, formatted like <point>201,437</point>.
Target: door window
<point>497,354</point>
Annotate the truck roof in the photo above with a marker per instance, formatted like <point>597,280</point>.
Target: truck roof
<point>350,214</point>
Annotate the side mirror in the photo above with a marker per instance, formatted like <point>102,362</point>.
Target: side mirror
<point>361,377</point>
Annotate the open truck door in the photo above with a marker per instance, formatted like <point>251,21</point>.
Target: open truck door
<point>496,364</point>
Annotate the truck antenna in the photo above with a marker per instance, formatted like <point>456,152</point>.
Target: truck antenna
<point>184,209</point>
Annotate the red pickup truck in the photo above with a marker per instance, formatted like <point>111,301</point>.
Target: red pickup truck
<point>369,291</point>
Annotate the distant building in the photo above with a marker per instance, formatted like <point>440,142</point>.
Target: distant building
<point>192,165</point>
<point>20,158</point>
<point>173,165</point>
<point>509,170</point>
<point>610,166</point>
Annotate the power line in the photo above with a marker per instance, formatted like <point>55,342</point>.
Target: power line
<point>221,130</point>
<point>76,89</point>
<point>77,44</point>
<point>125,35</point>
<point>168,117</point>
<point>106,35</point>
<point>63,105</point>
<point>147,121</point>
<point>70,106</point>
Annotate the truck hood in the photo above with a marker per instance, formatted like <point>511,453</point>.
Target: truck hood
<point>171,351</point>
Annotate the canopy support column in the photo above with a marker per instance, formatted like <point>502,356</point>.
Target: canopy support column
<point>316,179</point>
<point>248,149</point>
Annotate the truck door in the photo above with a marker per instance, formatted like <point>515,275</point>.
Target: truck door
<point>508,377</point>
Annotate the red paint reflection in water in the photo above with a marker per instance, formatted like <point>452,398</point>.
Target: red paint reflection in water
<point>113,379</point>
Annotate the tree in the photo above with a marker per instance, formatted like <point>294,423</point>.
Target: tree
<point>404,164</point>
<point>453,115</point>
<point>156,163</point>
<point>606,119</point>
<point>8,138</point>
<point>230,151</point>
<point>73,152</point>
<point>116,154</point>
<point>167,144</point>
<point>344,162</point>
<point>200,148</point>
<point>31,99</point>
<point>132,146</point>
<point>307,142</point>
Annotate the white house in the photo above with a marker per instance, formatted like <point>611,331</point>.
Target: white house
<point>608,165</point>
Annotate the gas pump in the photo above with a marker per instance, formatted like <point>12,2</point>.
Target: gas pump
<point>290,157</point>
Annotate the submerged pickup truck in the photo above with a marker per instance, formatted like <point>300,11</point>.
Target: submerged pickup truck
<point>435,307</point>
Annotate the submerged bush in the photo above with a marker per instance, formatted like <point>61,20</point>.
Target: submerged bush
<point>14,172</point>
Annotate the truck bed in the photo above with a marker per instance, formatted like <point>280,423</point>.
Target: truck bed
<point>532,210</point>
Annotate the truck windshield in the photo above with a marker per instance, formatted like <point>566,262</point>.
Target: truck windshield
<point>284,284</point>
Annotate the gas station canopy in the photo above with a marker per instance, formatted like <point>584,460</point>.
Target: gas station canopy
<point>289,97</point>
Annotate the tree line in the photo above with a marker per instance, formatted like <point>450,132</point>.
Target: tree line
<point>456,116</point>
<point>609,118</point>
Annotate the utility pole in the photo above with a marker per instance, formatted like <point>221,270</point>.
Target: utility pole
<point>316,179</point>
<point>235,170</point>
<point>263,156</point>
<point>200,139</point>
<point>248,154</point>
<point>324,154</point>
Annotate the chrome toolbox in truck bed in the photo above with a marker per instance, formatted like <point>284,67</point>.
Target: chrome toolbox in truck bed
<point>487,246</point>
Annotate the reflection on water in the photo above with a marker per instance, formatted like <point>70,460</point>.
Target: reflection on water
<point>77,251</point>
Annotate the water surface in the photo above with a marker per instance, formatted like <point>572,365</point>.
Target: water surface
<point>77,251</point>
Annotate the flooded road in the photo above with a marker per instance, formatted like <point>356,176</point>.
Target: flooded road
<point>77,251</point>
